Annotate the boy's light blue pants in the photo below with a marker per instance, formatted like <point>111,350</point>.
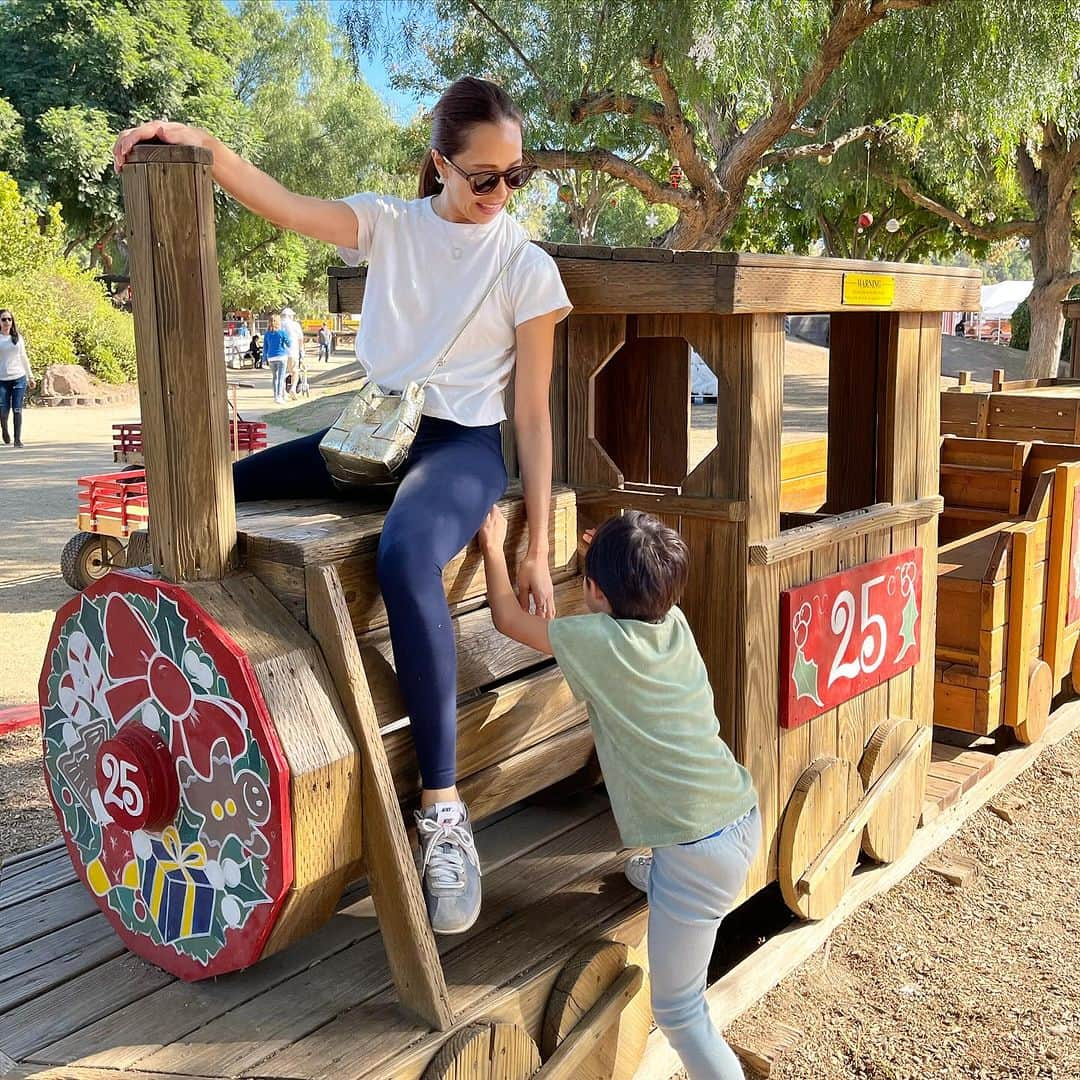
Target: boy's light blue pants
<point>691,888</point>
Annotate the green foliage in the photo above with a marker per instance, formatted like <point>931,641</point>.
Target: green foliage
<point>64,313</point>
<point>78,71</point>
<point>626,220</point>
<point>316,127</point>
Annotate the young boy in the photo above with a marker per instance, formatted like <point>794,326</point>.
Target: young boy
<point>673,783</point>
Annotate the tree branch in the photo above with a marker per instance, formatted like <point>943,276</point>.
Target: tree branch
<point>529,66</point>
<point>679,132</point>
<point>608,101</point>
<point>791,153</point>
<point>850,21</point>
<point>1018,227</point>
<point>605,161</point>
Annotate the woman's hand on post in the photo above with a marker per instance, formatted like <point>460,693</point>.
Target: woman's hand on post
<point>164,130</point>
<point>534,584</point>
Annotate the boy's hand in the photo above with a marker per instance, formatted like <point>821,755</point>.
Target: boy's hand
<point>587,537</point>
<point>492,534</point>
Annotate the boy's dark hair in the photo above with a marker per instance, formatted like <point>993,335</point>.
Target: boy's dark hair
<point>640,564</point>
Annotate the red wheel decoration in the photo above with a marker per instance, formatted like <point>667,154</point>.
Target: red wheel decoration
<point>166,775</point>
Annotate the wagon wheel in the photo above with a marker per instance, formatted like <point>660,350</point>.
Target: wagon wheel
<point>587,977</point>
<point>87,557</point>
<point>486,1050</point>
<point>896,816</point>
<point>1040,691</point>
<point>826,794</point>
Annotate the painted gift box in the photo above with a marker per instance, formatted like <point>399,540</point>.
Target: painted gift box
<point>175,887</point>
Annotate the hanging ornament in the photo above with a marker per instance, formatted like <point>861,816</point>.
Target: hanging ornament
<point>675,176</point>
<point>866,219</point>
<point>860,230</point>
<point>566,193</point>
<point>824,159</point>
<point>652,220</point>
<point>990,215</point>
<point>613,203</point>
<point>892,225</point>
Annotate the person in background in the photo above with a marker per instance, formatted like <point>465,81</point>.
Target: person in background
<point>302,389</point>
<point>295,331</point>
<point>325,340</point>
<point>255,352</point>
<point>15,376</point>
<point>276,353</point>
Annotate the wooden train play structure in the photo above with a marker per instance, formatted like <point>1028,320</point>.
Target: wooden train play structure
<point>228,753</point>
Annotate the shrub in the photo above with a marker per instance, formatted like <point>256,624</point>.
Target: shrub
<point>65,314</point>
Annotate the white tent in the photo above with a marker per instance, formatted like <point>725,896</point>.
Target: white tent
<point>1001,300</point>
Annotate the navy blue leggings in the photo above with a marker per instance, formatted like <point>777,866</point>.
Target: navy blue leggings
<point>453,476</point>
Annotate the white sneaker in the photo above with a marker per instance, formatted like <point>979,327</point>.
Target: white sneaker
<point>637,870</point>
<point>449,867</point>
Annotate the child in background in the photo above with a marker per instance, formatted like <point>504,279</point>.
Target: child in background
<point>673,783</point>
<point>301,378</point>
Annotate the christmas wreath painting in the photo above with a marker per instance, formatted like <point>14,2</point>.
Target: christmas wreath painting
<point>137,663</point>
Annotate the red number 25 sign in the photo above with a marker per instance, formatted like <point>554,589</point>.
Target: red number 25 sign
<point>843,634</point>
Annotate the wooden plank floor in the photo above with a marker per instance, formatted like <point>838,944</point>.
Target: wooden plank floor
<point>71,996</point>
<point>74,1003</point>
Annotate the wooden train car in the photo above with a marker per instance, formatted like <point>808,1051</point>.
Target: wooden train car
<point>226,745</point>
<point>1032,410</point>
<point>1009,616</point>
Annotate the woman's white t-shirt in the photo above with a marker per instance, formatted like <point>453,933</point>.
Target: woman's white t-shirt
<point>425,277</point>
<point>14,363</point>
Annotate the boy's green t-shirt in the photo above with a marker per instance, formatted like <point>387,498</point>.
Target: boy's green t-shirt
<point>670,776</point>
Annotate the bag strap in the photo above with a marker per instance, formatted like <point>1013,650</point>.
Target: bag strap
<point>490,289</point>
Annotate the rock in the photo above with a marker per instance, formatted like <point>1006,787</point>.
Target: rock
<point>67,381</point>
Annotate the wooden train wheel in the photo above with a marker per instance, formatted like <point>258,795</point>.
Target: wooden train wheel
<point>1040,692</point>
<point>892,824</point>
<point>585,979</point>
<point>486,1050</point>
<point>825,795</point>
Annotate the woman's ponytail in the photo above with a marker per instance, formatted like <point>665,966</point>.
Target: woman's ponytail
<point>429,178</point>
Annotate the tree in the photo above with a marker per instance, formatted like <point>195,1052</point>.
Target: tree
<point>726,89</point>
<point>78,71</point>
<point>1001,156</point>
<point>316,127</point>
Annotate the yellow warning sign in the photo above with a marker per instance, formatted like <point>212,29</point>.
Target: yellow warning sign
<point>869,290</point>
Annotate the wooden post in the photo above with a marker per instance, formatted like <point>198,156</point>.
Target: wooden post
<point>176,298</point>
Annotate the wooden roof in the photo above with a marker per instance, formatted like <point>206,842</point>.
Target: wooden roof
<point>640,280</point>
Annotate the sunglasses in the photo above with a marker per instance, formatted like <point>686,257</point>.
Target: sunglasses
<point>4,319</point>
<point>484,183</point>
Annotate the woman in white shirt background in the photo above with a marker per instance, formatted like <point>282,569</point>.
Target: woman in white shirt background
<point>431,260</point>
<point>15,376</point>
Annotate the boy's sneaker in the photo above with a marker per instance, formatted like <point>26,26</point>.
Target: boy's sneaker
<point>637,870</point>
<point>449,867</point>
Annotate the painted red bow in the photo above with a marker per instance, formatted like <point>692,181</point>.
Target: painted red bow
<point>140,672</point>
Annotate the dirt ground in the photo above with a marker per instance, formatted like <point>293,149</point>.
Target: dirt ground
<point>934,982</point>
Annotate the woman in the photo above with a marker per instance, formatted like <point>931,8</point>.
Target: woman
<point>15,375</point>
<point>276,354</point>
<point>430,262</point>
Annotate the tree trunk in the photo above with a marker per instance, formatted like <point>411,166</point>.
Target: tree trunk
<point>1047,329</point>
<point>1050,188</point>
